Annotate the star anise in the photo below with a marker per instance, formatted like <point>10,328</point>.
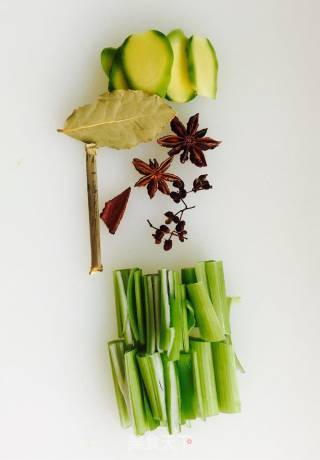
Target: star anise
<point>189,141</point>
<point>155,176</point>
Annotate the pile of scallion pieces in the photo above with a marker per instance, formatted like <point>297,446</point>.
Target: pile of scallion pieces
<point>174,360</point>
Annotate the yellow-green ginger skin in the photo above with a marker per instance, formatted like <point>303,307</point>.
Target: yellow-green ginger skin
<point>117,79</point>
<point>107,56</point>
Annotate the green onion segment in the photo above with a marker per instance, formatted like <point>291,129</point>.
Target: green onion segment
<point>174,360</point>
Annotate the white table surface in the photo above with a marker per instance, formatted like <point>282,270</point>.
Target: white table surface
<point>56,394</point>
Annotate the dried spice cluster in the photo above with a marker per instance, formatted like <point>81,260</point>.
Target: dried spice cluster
<point>190,143</point>
<point>176,219</point>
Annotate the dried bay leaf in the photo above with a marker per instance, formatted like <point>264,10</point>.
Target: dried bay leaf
<point>120,119</point>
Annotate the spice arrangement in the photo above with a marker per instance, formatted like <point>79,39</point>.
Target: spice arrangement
<point>144,70</point>
<point>173,360</point>
<point>189,143</point>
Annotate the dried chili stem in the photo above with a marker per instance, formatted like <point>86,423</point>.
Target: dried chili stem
<point>93,204</point>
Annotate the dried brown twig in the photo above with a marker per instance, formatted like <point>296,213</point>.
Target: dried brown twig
<point>93,204</point>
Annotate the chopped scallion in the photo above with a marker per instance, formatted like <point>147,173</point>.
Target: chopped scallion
<point>138,415</point>
<point>226,379</point>
<point>207,320</point>
<point>174,360</point>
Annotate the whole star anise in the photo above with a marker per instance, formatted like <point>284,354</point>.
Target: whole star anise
<point>155,176</point>
<point>188,141</point>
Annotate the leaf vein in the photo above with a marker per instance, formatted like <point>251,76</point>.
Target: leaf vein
<point>78,128</point>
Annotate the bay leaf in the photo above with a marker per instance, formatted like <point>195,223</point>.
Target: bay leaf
<point>120,119</point>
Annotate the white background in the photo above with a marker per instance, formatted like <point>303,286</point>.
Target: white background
<point>262,219</point>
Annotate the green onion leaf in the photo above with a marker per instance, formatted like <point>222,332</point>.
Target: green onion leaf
<point>117,302</point>
<point>138,415</point>
<point>157,309</point>
<point>176,334</point>
<point>227,315</point>
<point>207,320</point>
<point>185,326</point>
<point>149,313</point>
<point>132,311</point>
<point>165,311</point>
<point>116,354</point>
<point>226,379</point>
<point>171,283</point>
<point>190,316</point>
<point>121,281</point>
<point>139,305</point>
<point>216,286</point>
<point>175,318</point>
<point>151,370</point>
<point>172,390</point>
<point>197,384</point>
<point>204,378</point>
<point>195,333</point>
<point>201,275</point>
<point>230,300</point>
<point>151,422</point>
<point>188,275</point>
<point>189,408</point>
<point>239,366</point>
